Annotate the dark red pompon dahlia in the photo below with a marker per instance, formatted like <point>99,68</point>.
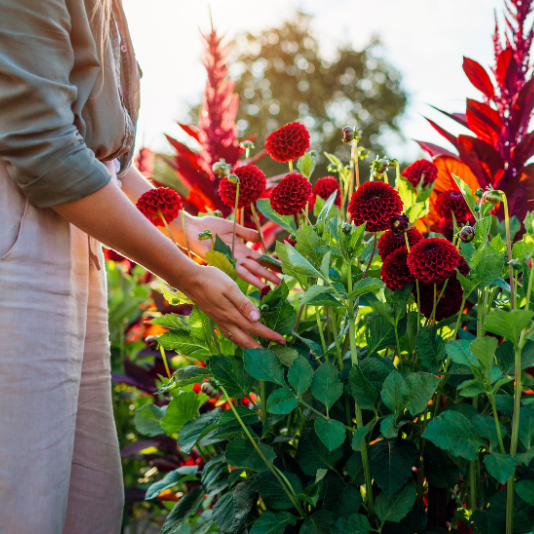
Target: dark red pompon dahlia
<point>162,200</point>
<point>445,226</point>
<point>433,260</point>
<point>288,142</point>
<point>395,272</point>
<point>324,187</point>
<point>374,203</point>
<point>291,194</point>
<point>453,201</point>
<point>449,304</point>
<point>252,185</point>
<point>422,168</point>
<point>390,242</point>
<point>463,267</point>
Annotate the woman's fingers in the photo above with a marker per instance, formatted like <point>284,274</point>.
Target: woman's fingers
<point>247,234</point>
<point>239,337</point>
<point>261,272</point>
<point>247,276</point>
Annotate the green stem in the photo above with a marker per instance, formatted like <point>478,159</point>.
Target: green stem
<point>459,320</point>
<point>319,414</point>
<point>473,473</point>
<point>509,247</point>
<point>336,340</point>
<point>497,424</point>
<point>434,308</point>
<point>185,233</point>
<point>320,327</point>
<point>263,402</point>
<point>417,281</point>
<point>163,355</point>
<point>271,467</point>
<point>370,259</point>
<point>236,211</point>
<point>290,166</point>
<point>258,226</point>
<point>167,226</point>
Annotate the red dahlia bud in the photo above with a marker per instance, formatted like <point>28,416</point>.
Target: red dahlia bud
<point>164,201</point>
<point>467,234</point>
<point>421,169</point>
<point>492,196</point>
<point>445,227</point>
<point>449,202</point>
<point>221,168</point>
<point>347,134</point>
<point>433,260</point>
<point>208,390</point>
<point>264,290</point>
<point>252,185</point>
<point>291,194</point>
<point>324,188</point>
<point>390,242</point>
<point>374,203</point>
<point>152,342</point>
<point>399,224</point>
<point>288,142</point>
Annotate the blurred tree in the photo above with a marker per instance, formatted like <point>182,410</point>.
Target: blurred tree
<point>282,77</point>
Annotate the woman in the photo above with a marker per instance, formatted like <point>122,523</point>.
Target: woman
<point>68,103</point>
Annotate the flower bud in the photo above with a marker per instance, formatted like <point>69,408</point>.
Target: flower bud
<point>467,234</point>
<point>312,153</point>
<point>332,168</point>
<point>152,342</point>
<point>247,145</point>
<point>346,228</point>
<point>477,208</point>
<point>203,236</point>
<point>347,134</point>
<point>217,213</point>
<point>492,196</point>
<point>479,193</point>
<point>292,237</point>
<point>208,390</point>
<point>516,264</point>
<point>314,228</point>
<point>233,179</point>
<point>363,153</point>
<point>221,168</point>
<point>399,224</point>
<point>379,167</point>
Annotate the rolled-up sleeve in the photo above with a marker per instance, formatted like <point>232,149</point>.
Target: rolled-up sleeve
<point>44,150</point>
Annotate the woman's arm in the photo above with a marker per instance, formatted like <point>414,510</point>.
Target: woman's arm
<point>109,216</point>
<point>134,185</point>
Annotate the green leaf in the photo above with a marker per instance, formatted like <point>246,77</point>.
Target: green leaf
<point>317,523</point>
<point>229,419</point>
<point>365,286</point>
<point>380,334</point>
<point>183,343</point>
<point>241,453</point>
<point>331,432</point>
<point>200,325</point>
<point>273,523</point>
<point>183,509</point>
<point>487,271</point>
<point>308,242</point>
<point>182,408</point>
<point>327,207</point>
<point>471,388</point>
<point>352,524</point>
<point>231,374</point>
<point>326,386</point>
<point>361,389</point>
<point>508,324</point>
<point>313,292</point>
<point>453,432</point>
<point>526,428</point>
<point>287,355</point>
<point>430,348</point>
<point>192,430</point>
<point>484,349</point>
<point>397,507</point>
<point>231,510</point>
<point>391,463</point>
<point>407,192</point>
<point>282,401</point>
<point>192,374</point>
<point>204,523</point>
<point>360,435</point>
<point>415,212</point>
<point>285,221</point>
<point>306,165</point>
<point>264,364</point>
<point>170,321</point>
<point>219,260</point>
<point>264,258</point>
<point>388,427</point>
<point>313,455</point>
<point>525,489</point>
<point>391,393</point>
<point>300,264</point>
<point>459,352</point>
<point>500,466</point>
<point>148,419</point>
<point>300,375</point>
<point>418,389</point>
<point>482,228</point>
<point>170,480</point>
<point>276,312</point>
<point>497,244</point>
<point>470,200</point>
<point>485,426</point>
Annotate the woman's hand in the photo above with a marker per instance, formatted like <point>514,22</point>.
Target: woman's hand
<point>248,269</point>
<point>219,297</point>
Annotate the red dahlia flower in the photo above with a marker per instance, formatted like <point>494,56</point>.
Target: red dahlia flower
<point>463,267</point>
<point>450,302</point>
<point>433,260</point>
<point>252,185</point>
<point>448,202</point>
<point>390,242</point>
<point>161,200</point>
<point>445,227</point>
<point>291,194</point>
<point>324,188</point>
<point>288,142</point>
<point>422,168</point>
<point>374,203</point>
<point>395,272</point>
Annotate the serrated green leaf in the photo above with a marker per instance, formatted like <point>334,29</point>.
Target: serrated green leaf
<point>200,325</point>
<point>317,523</point>
<point>484,349</point>
<point>525,489</point>
<point>397,507</point>
<point>300,375</point>
<point>430,348</point>
<point>240,453</point>
<point>183,343</point>
<point>313,455</point>
<point>231,374</point>
<point>380,333</point>
<point>307,243</point>
<point>391,393</point>
<point>352,524</point>
<point>170,480</point>
<point>148,419</point>
<point>228,418</point>
<point>285,221</point>
<point>192,374</point>
<point>326,386</point>
<point>508,324</point>
<point>170,321</point>
<point>526,428</point>
<point>361,389</point>
<point>331,432</point>
<point>482,228</point>
<point>192,430</point>
<point>219,260</point>
<point>500,466</point>
<point>276,312</point>
<point>312,293</point>
<point>282,401</point>
<point>286,355</point>
<point>365,286</point>
<point>470,200</point>
<point>264,364</point>
<point>300,264</point>
<point>459,352</point>
<point>183,509</point>
<point>273,523</point>
<point>418,389</point>
<point>231,510</point>
<point>182,408</point>
<point>484,426</point>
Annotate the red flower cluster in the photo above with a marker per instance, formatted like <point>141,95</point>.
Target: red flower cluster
<point>450,302</point>
<point>453,201</point>
<point>395,272</point>
<point>291,194</point>
<point>324,188</point>
<point>433,260</point>
<point>288,142</point>
<point>161,200</point>
<point>445,227</point>
<point>422,168</point>
<point>389,242</point>
<point>252,186</point>
<point>374,203</point>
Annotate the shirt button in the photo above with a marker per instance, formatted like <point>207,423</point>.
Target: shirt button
<point>124,48</point>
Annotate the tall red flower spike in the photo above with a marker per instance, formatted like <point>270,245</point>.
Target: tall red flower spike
<point>291,194</point>
<point>161,200</point>
<point>389,242</point>
<point>497,152</point>
<point>324,187</point>
<point>251,188</point>
<point>374,203</point>
<point>144,161</point>
<point>288,142</point>
<point>433,260</point>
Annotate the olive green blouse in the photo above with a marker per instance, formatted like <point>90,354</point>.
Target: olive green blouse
<point>62,110</point>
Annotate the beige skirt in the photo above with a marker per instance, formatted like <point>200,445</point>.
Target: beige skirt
<point>60,468</point>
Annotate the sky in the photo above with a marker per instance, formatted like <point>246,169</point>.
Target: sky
<point>424,39</point>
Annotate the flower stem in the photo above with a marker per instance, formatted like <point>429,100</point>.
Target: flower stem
<point>164,356</point>
<point>290,166</point>
<point>416,281</point>
<point>370,259</point>
<point>257,223</point>
<point>167,226</point>
<point>320,327</point>
<point>185,233</point>
<point>236,212</point>
<point>509,247</point>
<point>497,424</point>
